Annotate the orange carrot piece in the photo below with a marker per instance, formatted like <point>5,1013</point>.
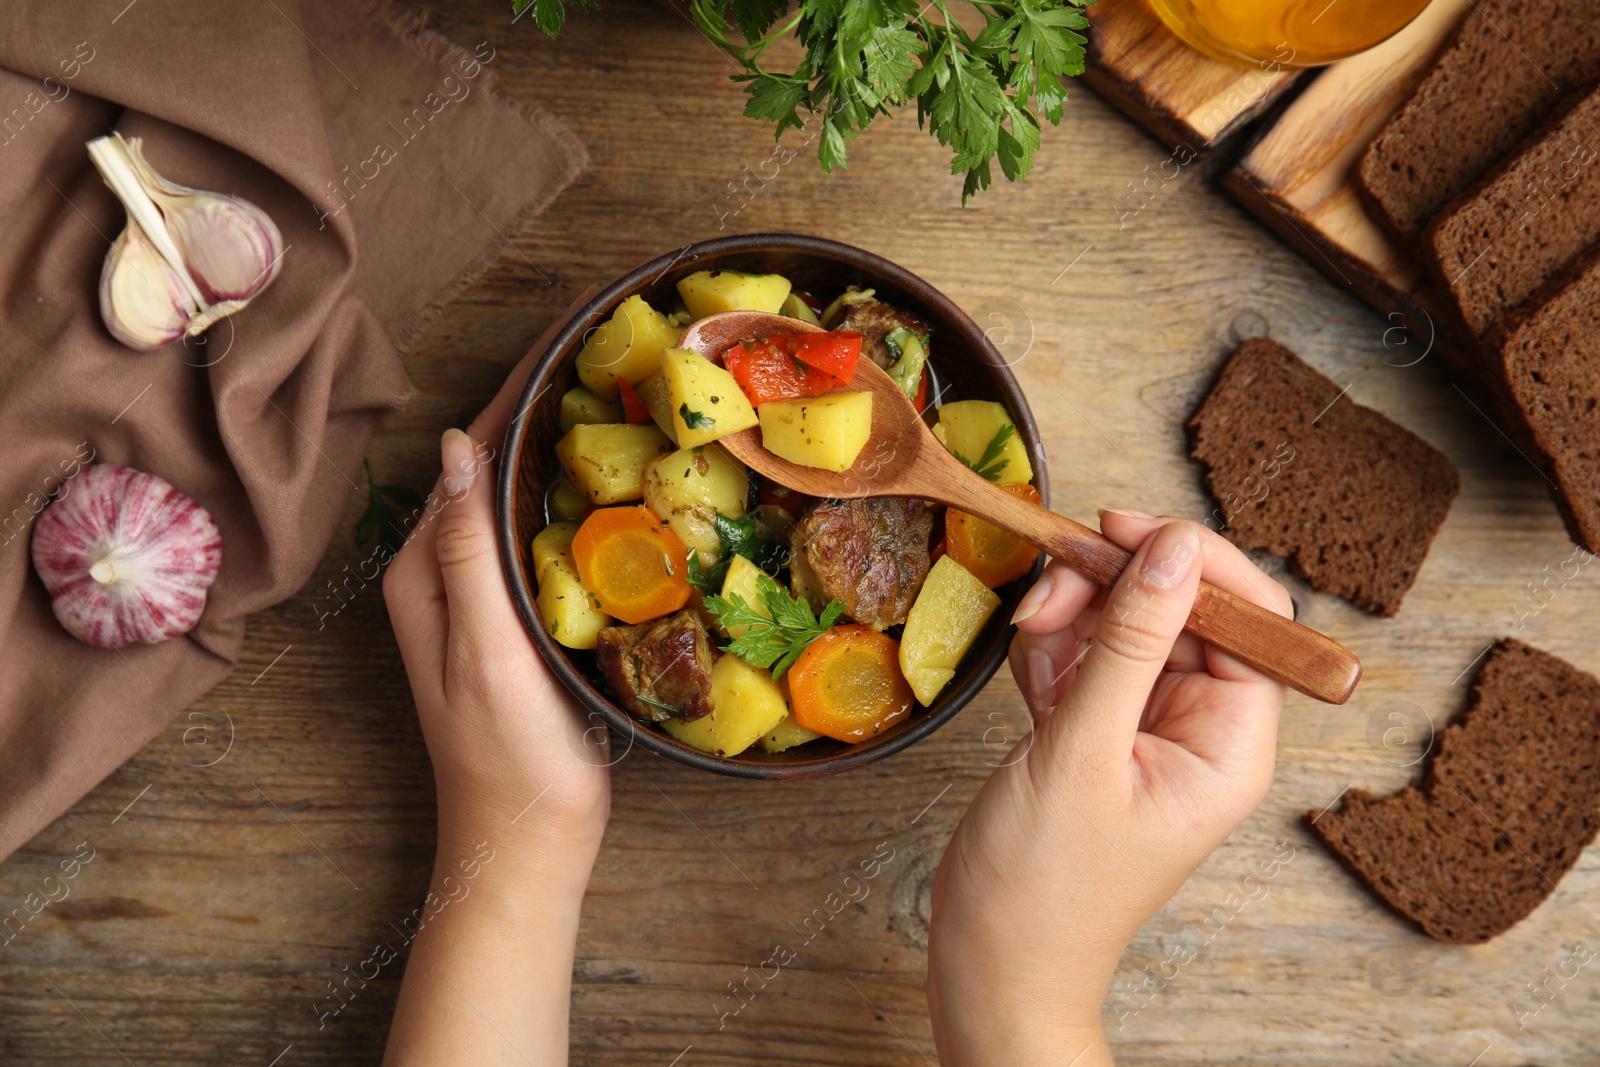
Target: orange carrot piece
<point>994,556</point>
<point>847,685</point>
<point>632,562</point>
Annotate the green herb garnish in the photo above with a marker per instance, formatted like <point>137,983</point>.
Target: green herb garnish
<point>990,466</point>
<point>981,95</point>
<point>379,518</point>
<point>777,641</point>
<point>662,704</point>
<point>695,420</point>
<point>735,537</point>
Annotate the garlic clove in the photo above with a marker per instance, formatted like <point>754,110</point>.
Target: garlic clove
<point>223,250</point>
<point>126,557</point>
<point>231,248</point>
<point>143,301</point>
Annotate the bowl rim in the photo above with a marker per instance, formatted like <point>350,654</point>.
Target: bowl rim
<point>586,318</point>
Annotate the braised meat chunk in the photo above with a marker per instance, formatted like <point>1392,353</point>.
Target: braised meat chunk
<point>874,320</point>
<point>871,555</point>
<point>661,669</point>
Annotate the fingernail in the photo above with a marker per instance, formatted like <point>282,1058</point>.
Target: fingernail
<point>1041,681</point>
<point>1032,600</point>
<point>1127,513</point>
<point>1170,557</point>
<point>459,460</point>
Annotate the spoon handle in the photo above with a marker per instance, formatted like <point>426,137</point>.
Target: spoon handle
<point>1299,657</point>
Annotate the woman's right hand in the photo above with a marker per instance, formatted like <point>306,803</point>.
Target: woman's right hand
<point>1150,748</point>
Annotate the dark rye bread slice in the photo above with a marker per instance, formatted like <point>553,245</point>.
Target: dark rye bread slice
<point>1350,497</point>
<point>1528,218</point>
<point>1509,800</point>
<point>1492,85</point>
<point>1546,358</point>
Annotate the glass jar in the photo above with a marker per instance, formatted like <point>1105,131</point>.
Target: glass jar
<point>1288,33</point>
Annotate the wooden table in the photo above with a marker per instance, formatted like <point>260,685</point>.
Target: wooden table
<point>223,897</point>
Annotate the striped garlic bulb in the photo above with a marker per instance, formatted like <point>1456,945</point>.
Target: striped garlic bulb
<point>126,557</point>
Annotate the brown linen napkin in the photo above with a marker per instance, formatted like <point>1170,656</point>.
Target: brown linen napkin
<point>394,167</point>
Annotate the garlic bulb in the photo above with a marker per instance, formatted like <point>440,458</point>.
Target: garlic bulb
<point>126,557</point>
<point>220,251</point>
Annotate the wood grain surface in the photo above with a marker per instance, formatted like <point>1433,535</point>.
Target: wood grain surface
<point>283,826</point>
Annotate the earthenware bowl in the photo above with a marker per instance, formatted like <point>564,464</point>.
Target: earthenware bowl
<point>966,367</point>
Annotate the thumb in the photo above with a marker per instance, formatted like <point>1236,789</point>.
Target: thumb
<point>1141,621</point>
<point>467,549</point>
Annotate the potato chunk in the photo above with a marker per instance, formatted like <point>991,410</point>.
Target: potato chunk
<point>690,487</point>
<point>658,401</point>
<point>581,406</point>
<point>741,581</point>
<point>951,609</point>
<point>967,426</point>
<point>570,612</point>
<point>565,502</point>
<point>553,545</point>
<point>705,401</point>
<point>786,735</point>
<point>745,703</point>
<point>627,345</point>
<point>826,431</point>
<point>708,292</point>
<point>606,462</point>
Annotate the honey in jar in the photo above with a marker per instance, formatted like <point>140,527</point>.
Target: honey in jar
<point>1286,33</point>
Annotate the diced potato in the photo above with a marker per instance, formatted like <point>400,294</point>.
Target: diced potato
<point>606,462</point>
<point>690,487</point>
<point>581,406</point>
<point>969,425</point>
<point>553,545</point>
<point>949,612</point>
<point>741,581</point>
<point>786,735</point>
<point>827,431</point>
<point>774,523</point>
<point>708,292</point>
<point>570,612</point>
<point>705,401</point>
<point>627,345</point>
<point>565,502</point>
<point>658,401</point>
<point>745,703</point>
<point>797,308</point>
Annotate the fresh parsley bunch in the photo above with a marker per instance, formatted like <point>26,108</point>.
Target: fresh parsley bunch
<point>980,95</point>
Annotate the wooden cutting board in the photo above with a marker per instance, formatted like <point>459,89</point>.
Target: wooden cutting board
<point>1186,100</point>
<point>1298,176</point>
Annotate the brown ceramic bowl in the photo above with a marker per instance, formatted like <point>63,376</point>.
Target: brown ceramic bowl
<point>966,365</point>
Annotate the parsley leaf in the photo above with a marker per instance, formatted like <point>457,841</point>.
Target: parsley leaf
<point>735,537</point>
<point>777,641</point>
<point>991,464</point>
<point>981,96</point>
<point>695,420</point>
<point>379,518</point>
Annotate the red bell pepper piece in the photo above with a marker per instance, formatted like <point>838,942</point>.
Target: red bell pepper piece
<point>793,366</point>
<point>633,409</point>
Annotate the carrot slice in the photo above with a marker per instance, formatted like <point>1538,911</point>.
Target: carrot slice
<point>994,556</point>
<point>847,685</point>
<point>632,563</point>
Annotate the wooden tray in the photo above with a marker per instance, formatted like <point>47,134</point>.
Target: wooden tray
<point>1298,176</point>
<point>1183,98</point>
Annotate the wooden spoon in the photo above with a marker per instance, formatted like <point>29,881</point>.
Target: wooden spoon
<point>903,458</point>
